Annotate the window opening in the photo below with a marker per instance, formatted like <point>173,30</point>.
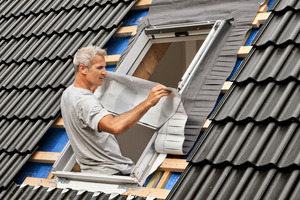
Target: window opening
<point>165,56</point>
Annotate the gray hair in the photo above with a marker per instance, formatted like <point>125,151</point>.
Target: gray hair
<point>85,56</point>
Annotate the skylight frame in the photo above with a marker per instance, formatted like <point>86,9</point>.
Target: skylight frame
<point>149,158</point>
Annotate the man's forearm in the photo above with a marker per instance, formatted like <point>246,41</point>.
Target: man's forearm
<point>119,124</point>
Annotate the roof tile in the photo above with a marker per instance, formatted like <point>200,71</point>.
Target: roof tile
<point>280,29</point>
<point>261,102</point>
<point>270,64</point>
<point>260,145</point>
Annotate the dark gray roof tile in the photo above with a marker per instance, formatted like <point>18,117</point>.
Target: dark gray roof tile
<point>51,48</point>
<point>22,135</point>
<point>10,164</point>
<point>260,102</point>
<point>270,64</point>
<point>25,191</point>
<point>208,181</point>
<point>281,6</point>
<point>279,29</point>
<point>38,40</point>
<point>88,18</point>
<point>37,74</point>
<point>32,104</point>
<point>31,7</point>
<point>260,145</point>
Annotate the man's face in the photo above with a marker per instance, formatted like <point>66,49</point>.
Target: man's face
<point>97,72</point>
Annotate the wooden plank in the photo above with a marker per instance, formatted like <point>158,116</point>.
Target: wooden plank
<point>206,124</point>
<point>164,179</point>
<point>173,165</point>
<point>226,86</point>
<point>259,19</point>
<point>150,60</point>
<point>154,179</point>
<point>58,123</point>
<point>44,157</point>
<point>50,176</point>
<point>263,8</point>
<point>76,168</point>
<point>141,4</point>
<point>112,59</point>
<point>151,192</point>
<point>32,181</point>
<point>126,31</point>
<point>243,51</point>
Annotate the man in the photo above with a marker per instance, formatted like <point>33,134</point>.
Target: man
<point>89,126</point>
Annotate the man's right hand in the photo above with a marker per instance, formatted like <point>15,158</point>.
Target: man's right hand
<point>121,123</point>
<point>156,94</point>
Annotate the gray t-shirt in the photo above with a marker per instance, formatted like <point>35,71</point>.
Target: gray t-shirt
<point>96,152</point>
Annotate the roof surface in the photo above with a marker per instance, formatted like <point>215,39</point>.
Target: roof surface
<point>251,150</point>
<point>37,44</point>
<point>25,191</point>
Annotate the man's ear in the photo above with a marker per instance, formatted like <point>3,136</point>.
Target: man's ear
<point>82,69</point>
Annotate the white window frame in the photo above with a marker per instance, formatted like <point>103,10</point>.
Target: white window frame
<point>149,159</point>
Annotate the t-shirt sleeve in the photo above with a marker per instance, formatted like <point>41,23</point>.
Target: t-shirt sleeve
<point>91,112</point>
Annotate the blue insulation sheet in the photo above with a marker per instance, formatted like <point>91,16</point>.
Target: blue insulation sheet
<point>134,16</point>
<point>32,169</point>
<point>54,140</point>
<point>117,45</point>
<point>171,182</point>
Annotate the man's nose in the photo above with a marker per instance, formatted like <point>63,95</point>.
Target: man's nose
<point>104,72</point>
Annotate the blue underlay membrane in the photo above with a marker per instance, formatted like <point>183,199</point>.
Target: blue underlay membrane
<point>237,65</point>
<point>269,4</point>
<point>251,36</point>
<point>54,140</point>
<point>110,68</point>
<point>33,169</point>
<point>134,16</point>
<point>172,180</point>
<point>117,45</point>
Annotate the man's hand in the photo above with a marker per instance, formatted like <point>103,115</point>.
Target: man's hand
<point>156,94</point>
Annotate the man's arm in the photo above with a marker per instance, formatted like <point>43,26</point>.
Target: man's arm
<point>119,124</point>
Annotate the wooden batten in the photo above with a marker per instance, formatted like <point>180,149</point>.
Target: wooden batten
<point>243,51</point>
<point>44,157</point>
<point>112,59</point>
<point>226,86</point>
<point>50,176</point>
<point>206,124</point>
<point>260,19</point>
<point>32,181</point>
<point>145,192</point>
<point>150,60</point>
<point>154,179</point>
<point>141,4</point>
<point>173,165</point>
<point>164,179</point>
<point>126,31</point>
<point>263,8</point>
<point>59,123</point>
